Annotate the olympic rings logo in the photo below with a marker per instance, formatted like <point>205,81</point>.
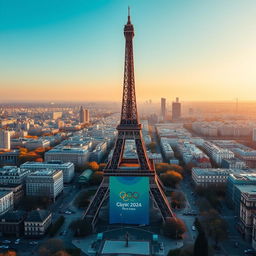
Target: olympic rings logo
<point>129,196</point>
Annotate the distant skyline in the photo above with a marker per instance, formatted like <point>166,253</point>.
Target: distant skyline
<point>61,50</point>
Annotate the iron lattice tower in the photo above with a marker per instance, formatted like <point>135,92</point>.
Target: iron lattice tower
<point>129,129</point>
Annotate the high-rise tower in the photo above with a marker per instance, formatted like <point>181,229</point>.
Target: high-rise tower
<point>163,108</point>
<point>84,115</point>
<point>5,139</point>
<point>129,129</point>
<point>176,110</point>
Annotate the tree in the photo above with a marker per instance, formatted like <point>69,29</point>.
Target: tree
<point>198,225</point>
<point>96,178</point>
<point>178,199</point>
<point>214,194</point>
<point>56,226</point>
<point>164,167</point>
<point>50,247</point>
<point>93,166</point>
<point>81,227</point>
<point>171,178</point>
<point>152,147</point>
<point>201,245</point>
<point>174,228</point>
<point>174,252</point>
<point>216,226</point>
<point>203,205</point>
<point>83,199</point>
<point>40,159</point>
<point>8,253</point>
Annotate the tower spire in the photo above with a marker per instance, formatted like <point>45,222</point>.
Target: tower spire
<point>129,16</point>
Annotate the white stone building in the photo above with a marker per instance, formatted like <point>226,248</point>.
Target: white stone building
<point>67,168</point>
<point>6,201</point>
<point>5,139</point>
<point>77,156</point>
<point>45,183</point>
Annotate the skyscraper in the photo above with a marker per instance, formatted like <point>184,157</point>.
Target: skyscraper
<point>163,108</point>
<point>84,116</point>
<point>176,110</point>
<point>5,139</point>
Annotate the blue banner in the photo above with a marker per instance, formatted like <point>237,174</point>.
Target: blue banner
<point>129,200</point>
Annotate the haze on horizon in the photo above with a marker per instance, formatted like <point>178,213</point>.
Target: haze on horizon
<point>74,50</point>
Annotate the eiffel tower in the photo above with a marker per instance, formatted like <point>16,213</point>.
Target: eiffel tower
<point>129,129</point>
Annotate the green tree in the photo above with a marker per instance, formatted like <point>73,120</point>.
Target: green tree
<point>96,178</point>
<point>174,252</point>
<point>174,228</point>
<point>50,247</point>
<point>83,199</point>
<point>56,226</point>
<point>201,245</point>
<point>81,227</point>
<point>216,226</point>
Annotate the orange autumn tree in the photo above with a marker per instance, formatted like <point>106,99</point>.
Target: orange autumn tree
<point>171,178</point>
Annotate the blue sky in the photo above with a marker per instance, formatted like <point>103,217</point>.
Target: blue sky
<point>61,50</point>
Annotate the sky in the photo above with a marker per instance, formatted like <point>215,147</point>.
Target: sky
<point>62,50</point>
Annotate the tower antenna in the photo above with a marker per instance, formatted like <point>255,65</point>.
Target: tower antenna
<point>129,16</point>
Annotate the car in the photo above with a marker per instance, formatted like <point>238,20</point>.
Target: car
<point>250,252</point>
<point>4,246</point>
<point>33,242</point>
<point>17,241</point>
<point>193,228</point>
<point>6,242</point>
<point>64,232</point>
<point>67,212</point>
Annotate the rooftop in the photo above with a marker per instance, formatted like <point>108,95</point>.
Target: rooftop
<point>13,216</point>
<point>4,193</point>
<point>67,150</point>
<point>38,215</point>
<point>53,162</point>
<point>250,189</point>
<point>212,171</point>
<point>44,172</point>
